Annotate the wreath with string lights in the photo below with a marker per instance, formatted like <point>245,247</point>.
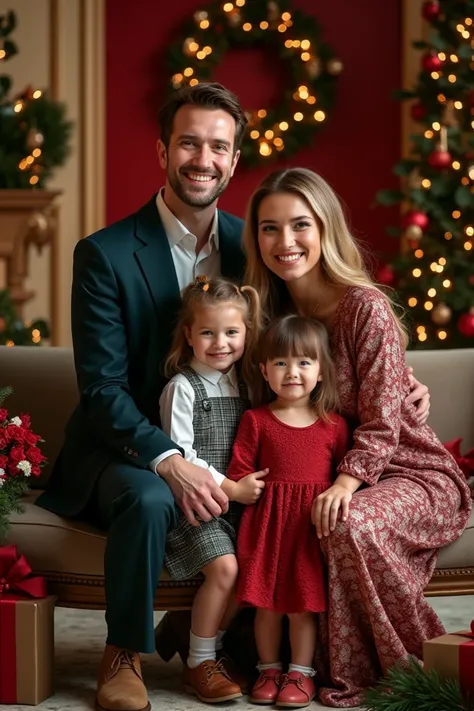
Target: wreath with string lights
<point>294,36</point>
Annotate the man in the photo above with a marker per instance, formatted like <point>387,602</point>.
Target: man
<point>117,467</point>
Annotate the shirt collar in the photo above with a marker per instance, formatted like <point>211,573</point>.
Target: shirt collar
<point>213,375</point>
<point>175,230</point>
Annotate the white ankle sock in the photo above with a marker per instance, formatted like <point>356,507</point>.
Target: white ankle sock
<point>200,650</point>
<point>274,665</point>
<point>306,671</point>
<point>219,638</point>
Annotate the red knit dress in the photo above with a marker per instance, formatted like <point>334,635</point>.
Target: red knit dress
<point>277,548</point>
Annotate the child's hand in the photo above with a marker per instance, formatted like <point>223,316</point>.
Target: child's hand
<point>326,507</point>
<point>249,488</point>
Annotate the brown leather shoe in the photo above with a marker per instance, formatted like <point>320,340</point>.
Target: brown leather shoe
<point>210,683</point>
<point>233,671</point>
<point>120,684</point>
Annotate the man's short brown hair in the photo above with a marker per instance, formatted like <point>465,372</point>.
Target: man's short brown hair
<point>208,95</point>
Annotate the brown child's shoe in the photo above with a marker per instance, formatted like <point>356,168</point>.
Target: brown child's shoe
<point>210,682</point>
<point>296,690</point>
<point>266,688</point>
<point>233,671</point>
<point>120,684</point>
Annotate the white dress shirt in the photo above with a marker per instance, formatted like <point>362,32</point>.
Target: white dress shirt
<point>177,402</point>
<point>187,264</point>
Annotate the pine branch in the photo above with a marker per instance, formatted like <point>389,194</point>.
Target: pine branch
<point>409,688</point>
<point>10,501</point>
<point>5,392</point>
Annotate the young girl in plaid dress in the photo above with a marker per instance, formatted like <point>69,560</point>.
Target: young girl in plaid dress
<point>200,410</point>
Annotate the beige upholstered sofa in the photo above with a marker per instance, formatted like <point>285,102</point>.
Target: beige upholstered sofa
<point>70,553</point>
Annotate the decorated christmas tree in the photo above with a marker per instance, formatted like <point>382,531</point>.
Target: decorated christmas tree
<point>34,134</point>
<point>434,274</point>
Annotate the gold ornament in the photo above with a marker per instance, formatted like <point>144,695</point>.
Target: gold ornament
<point>273,11</point>
<point>200,15</point>
<point>413,232</point>
<point>449,115</point>
<point>414,179</point>
<point>314,68</point>
<point>235,18</point>
<point>186,45</point>
<point>335,66</point>
<point>34,139</point>
<point>441,314</point>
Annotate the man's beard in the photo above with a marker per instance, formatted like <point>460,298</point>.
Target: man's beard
<point>197,199</point>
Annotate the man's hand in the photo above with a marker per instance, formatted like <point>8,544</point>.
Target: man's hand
<point>249,489</point>
<point>194,489</point>
<point>419,396</point>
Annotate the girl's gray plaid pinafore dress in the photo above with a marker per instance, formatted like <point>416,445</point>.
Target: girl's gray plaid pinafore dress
<point>215,423</point>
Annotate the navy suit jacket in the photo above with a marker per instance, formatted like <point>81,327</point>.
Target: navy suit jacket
<point>125,300</point>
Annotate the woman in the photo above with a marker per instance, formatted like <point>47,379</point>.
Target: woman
<point>399,495</point>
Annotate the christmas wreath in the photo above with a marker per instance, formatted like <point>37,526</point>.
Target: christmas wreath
<point>291,35</point>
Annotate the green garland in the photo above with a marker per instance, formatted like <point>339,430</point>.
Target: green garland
<point>412,689</point>
<point>34,133</point>
<point>291,35</point>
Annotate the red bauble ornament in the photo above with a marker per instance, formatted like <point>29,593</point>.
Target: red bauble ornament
<point>418,112</point>
<point>471,280</point>
<point>431,63</point>
<point>415,217</point>
<point>440,160</point>
<point>385,275</point>
<point>431,10</point>
<point>466,324</point>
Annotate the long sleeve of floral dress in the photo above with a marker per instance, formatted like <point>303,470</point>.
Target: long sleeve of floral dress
<point>379,365</point>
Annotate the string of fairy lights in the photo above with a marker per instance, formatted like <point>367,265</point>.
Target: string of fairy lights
<point>312,64</point>
<point>34,139</point>
<point>455,121</point>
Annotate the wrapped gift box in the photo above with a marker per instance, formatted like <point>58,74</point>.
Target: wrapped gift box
<point>26,649</point>
<point>452,657</point>
<point>26,632</point>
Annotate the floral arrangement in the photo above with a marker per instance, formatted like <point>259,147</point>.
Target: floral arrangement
<point>20,459</point>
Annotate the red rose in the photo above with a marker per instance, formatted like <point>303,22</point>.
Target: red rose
<point>16,455</point>
<point>34,455</point>
<point>3,414</point>
<point>16,433</point>
<point>36,470</point>
<point>25,420</point>
<point>30,438</point>
<point>4,437</point>
<point>3,461</point>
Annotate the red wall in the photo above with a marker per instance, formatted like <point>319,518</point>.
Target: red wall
<point>355,152</point>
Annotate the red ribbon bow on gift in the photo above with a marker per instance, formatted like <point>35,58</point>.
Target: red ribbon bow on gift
<point>465,462</point>
<point>15,575</point>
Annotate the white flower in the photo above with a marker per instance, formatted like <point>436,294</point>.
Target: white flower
<point>2,480</point>
<point>24,467</point>
<point>16,421</point>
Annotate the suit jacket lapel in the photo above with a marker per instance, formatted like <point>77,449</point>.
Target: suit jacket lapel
<point>153,255</point>
<point>230,247</point>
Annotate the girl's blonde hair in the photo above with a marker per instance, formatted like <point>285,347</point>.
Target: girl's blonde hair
<point>295,336</point>
<point>341,259</point>
<point>213,293</point>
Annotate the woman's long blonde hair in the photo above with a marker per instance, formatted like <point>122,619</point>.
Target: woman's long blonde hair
<point>341,258</point>
<point>205,293</point>
<point>294,335</point>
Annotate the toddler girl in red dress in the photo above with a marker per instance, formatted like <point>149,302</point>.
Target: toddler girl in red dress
<point>300,439</point>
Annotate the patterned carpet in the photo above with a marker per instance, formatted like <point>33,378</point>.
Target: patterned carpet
<point>79,644</point>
